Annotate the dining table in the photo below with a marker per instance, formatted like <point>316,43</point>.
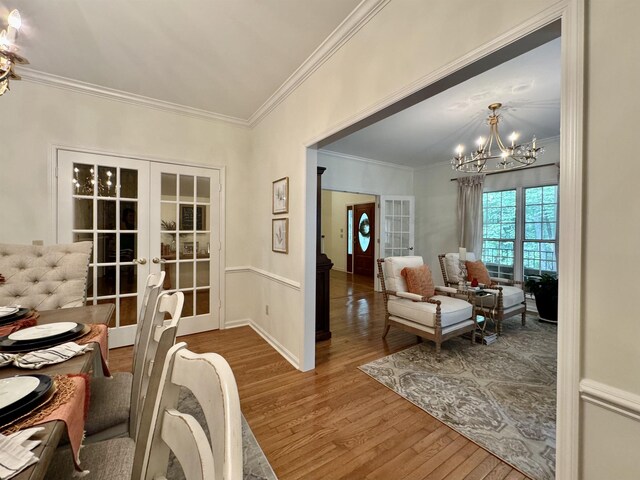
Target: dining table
<point>54,430</point>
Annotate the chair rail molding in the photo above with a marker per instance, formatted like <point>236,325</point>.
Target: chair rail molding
<point>263,273</point>
<point>612,398</point>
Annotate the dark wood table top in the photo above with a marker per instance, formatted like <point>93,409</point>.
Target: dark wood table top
<point>91,314</point>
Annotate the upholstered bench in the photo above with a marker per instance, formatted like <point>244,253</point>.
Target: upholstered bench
<point>44,277</point>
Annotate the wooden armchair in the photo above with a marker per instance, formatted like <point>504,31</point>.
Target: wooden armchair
<point>437,318</point>
<point>507,301</point>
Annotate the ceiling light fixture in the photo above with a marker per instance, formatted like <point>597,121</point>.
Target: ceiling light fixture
<point>508,157</point>
<point>8,49</point>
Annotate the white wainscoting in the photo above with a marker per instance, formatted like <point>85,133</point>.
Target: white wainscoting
<point>249,317</point>
<point>612,398</point>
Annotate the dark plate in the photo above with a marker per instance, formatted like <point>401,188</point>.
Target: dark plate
<point>14,316</point>
<point>7,345</point>
<point>23,406</point>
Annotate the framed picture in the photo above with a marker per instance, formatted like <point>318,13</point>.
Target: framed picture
<point>280,202</point>
<point>186,217</point>
<point>280,235</point>
<point>188,247</point>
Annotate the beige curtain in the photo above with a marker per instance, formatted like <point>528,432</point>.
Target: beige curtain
<point>470,213</point>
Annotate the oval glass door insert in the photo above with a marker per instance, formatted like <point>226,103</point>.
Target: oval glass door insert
<point>364,234</point>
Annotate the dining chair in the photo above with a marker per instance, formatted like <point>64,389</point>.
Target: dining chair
<point>115,403</point>
<point>113,458</point>
<point>164,429</point>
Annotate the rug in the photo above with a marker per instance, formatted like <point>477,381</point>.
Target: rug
<point>500,396</point>
<point>255,463</point>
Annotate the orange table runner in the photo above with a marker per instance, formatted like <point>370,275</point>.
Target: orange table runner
<point>70,404</point>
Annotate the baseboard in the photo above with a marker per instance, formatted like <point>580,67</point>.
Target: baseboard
<point>247,322</point>
<point>288,356</point>
<point>612,398</point>
<point>241,322</point>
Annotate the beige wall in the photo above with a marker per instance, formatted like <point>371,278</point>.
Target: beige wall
<point>610,442</point>
<point>35,117</point>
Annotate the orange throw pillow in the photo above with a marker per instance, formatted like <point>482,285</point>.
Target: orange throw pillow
<point>478,271</point>
<point>419,280</point>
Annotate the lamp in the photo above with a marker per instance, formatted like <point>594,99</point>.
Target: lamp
<point>508,157</point>
<point>8,49</point>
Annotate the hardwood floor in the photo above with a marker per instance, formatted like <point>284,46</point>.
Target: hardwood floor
<point>335,421</point>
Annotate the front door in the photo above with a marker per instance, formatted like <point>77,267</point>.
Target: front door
<point>143,216</point>
<point>364,239</point>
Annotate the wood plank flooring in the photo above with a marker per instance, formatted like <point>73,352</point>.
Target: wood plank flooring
<point>335,422</point>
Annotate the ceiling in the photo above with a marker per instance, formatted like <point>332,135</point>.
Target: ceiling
<point>222,56</point>
<point>528,86</point>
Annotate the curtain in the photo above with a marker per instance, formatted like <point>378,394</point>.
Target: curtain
<point>470,213</point>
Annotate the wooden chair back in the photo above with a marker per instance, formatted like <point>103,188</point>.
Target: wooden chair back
<point>166,304</point>
<point>210,379</point>
<point>152,289</point>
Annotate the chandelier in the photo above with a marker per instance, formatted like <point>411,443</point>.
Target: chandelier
<point>8,49</point>
<point>508,157</point>
<point>92,182</point>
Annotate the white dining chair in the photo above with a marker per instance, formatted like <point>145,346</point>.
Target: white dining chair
<point>115,403</point>
<point>164,429</point>
<point>113,459</point>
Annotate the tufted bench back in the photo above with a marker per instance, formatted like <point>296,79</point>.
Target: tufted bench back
<point>44,277</point>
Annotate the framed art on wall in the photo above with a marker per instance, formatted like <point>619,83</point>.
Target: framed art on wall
<point>280,235</point>
<point>280,202</point>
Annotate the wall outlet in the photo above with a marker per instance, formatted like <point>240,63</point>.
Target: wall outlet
<point>266,309</point>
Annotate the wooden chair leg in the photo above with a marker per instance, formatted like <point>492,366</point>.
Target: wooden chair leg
<point>437,351</point>
<point>386,330</point>
<point>524,317</point>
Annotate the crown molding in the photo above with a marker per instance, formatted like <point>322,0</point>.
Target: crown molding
<point>366,160</point>
<point>359,17</point>
<point>64,83</point>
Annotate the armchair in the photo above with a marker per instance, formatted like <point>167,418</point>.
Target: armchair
<point>437,318</point>
<point>508,299</point>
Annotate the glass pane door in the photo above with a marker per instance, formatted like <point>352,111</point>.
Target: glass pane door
<point>185,232</point>
<point>103,199</point>
<point>397,228</point>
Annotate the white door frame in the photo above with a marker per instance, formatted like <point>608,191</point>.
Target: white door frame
<point>571,13</point>
<point>53,197</point>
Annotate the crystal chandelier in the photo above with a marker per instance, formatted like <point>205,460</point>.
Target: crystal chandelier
<point>8,49</point>
<point>508,157</point>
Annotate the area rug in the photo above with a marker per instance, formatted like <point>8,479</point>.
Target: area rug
<point>500,396</point>
<point>255,463</point>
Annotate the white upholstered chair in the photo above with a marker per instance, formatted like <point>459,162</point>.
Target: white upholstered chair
<point>44,277</point>
<point>507,301</point>
<point>437,318</point>
<point>115,402</point>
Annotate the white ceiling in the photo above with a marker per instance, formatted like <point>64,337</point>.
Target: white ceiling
<point>528,87</point>
<point>222,56</point>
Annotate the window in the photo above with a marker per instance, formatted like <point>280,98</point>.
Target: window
<point>499,232</point>
<point>540,226</point>
<point>520,231</point>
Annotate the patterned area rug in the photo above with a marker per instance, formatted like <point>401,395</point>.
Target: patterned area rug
<point>255,463</point>
<point>500,396</point>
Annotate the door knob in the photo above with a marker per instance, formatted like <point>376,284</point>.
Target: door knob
<point>411,248</point>
<point>141,261</point>
<point>158,260</point>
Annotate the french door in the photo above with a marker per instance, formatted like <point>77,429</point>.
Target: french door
<point>398,221</point>
<point>142,217</point>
